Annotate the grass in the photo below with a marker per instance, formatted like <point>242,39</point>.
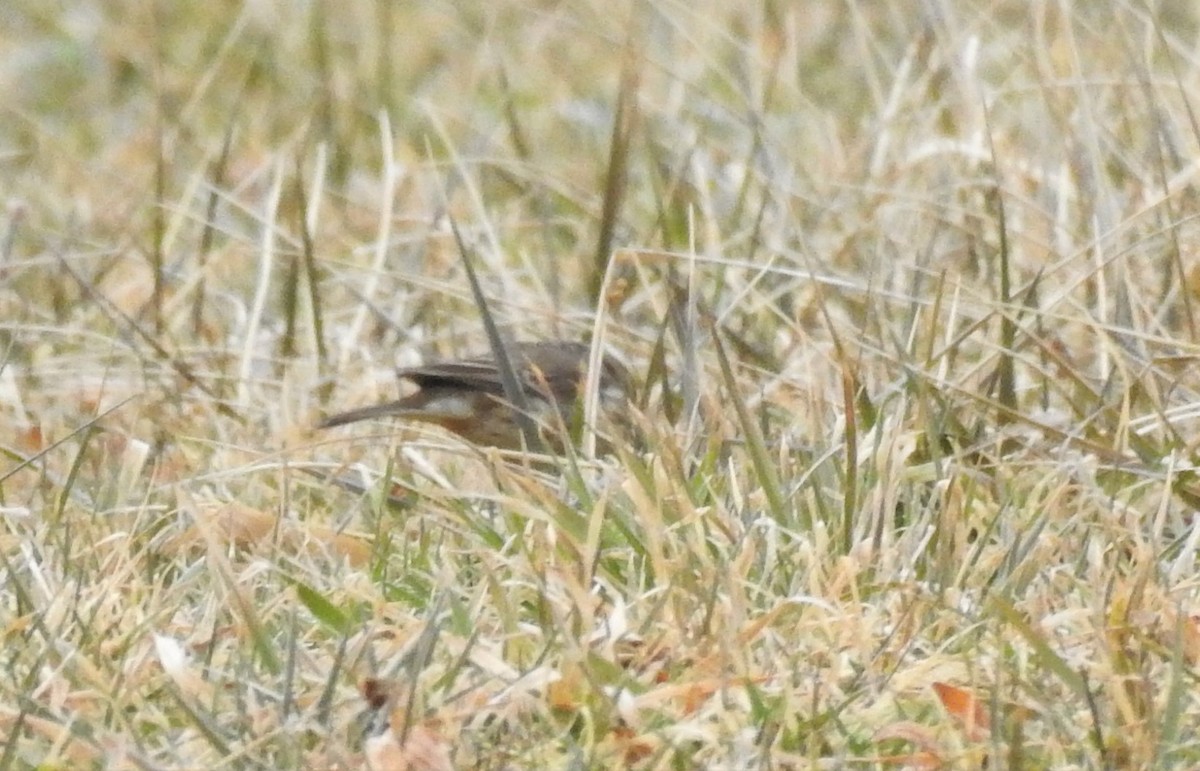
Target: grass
<point>909,480</point>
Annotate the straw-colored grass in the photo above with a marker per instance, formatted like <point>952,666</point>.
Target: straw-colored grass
<point>910,292</point>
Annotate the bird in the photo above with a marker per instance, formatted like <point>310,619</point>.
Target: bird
<point>466,396</point>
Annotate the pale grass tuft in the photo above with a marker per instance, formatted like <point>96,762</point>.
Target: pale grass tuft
<point>909,479</point>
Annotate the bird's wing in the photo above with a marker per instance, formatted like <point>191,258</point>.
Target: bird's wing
<point>481,372</point>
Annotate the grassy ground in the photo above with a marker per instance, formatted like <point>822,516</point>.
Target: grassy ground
<point>910,291</point>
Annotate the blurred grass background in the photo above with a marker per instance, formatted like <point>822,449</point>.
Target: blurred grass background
<point>909,290</point>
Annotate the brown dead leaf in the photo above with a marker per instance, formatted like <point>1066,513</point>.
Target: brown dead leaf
<point>30,440</point>
<point>565,693</point>
<point>401,745</point>
<point>1191,639</point>
<point>1188,628</point>
<point>376,692</point>
<point>247,527</point>
<point>634,747</point>
<point>970,713</point>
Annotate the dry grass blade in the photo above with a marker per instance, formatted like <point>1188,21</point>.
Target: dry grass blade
<point>216,175</point>
<point>760,458</point>
<point>262,283</point>
<point>1005,366</point>
<point>623,127</point>
<point>131,332</point>
<point>1045,652</point>
<point>910,299</point>
<point>513,391</point>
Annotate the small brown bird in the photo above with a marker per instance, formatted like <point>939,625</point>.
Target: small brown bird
<point>467,396</point>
